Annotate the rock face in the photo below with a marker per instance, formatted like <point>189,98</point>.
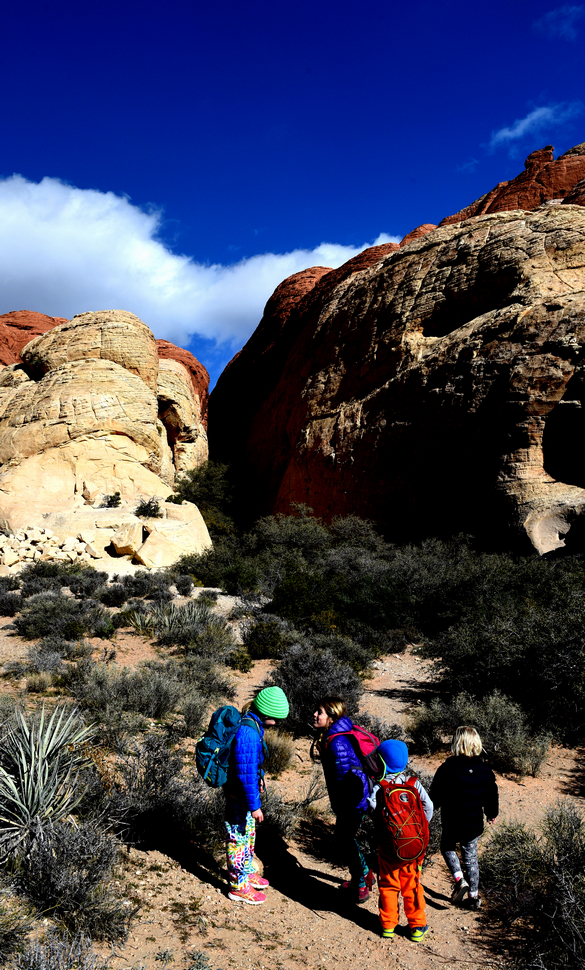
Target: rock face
<point>197,372</point>
<point>434,389</point>
<point>542,180</point>
<point>180,411</point>
<point>20,327</point>
<point>89,412</point>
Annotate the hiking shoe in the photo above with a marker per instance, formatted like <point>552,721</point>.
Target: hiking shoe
<point>247,896</point>
<point>459,890</point>
<point>387,933</point>
<point>474,902</point>
<point>258,882</point>
<point>364,891</point>
<point>418,933</point>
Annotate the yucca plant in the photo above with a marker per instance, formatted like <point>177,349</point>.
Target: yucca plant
<point>142,623</point>
<point>40,761</point>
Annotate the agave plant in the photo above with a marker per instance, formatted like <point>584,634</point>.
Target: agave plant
<point>40,761</point>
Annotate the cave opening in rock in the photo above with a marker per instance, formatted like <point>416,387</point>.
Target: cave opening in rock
<point>461,303</point>
<point>564,436</point>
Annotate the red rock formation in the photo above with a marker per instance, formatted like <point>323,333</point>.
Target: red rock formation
<point>255,371</point>
<point>417,233</point>
<point>199,375</point>
<point>542,180</point>
<point>18,328</point>
<point>420,388</point>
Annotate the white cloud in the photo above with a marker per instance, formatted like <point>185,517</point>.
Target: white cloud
<point>64,250</point>
<point>560,22</point>
<point>537,121</point>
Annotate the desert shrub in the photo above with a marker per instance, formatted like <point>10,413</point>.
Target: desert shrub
<point>111,501</point>
<point>240,659</point>
<point>267,637</point>
<point>137,584</point>
<point>37,578</point>
<point>46,614</point>
<point>66,872</point>
<point>281,751</point>
<point>225,566</point>
<point>159,802</point>
<point>209,488</point>
<point>148,508</point>
<point>114,595</point>
<point>195,628</point>
<point>42,657</point>
<point>184,584</point>
<point>305,675</point>
<point>38,683</point>
<point>534,880</point>
<point>196,960</point>
<point>68,649</point>
<point>9,583</point>
<point>500,722</point>
<point>150,690</point>
<point>15,924</point>
<point>10,604</point>
<point>202,674</point>
<point>194,709</point>
<point>535,652</point>
<point>84,584</point>
<point>40,760</point>
<point>344,649</point>
<point>58,952</point>
<point>41,584</point>
<point>159,591</point>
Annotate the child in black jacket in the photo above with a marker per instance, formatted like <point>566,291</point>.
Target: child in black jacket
<point>464,788</point>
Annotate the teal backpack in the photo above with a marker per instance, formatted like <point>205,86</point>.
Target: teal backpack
<point>213,750</point>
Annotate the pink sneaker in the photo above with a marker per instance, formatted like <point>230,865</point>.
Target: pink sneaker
<point>258,882</point>
<point>363,891</point>
<point>247,896</point>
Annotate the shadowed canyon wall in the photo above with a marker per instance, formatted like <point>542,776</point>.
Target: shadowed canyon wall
<point>434,387</point>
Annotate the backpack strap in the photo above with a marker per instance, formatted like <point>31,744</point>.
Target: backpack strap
<point>250,720</point>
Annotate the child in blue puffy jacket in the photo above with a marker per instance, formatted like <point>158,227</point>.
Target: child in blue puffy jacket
<point>348,789</point>
<point>242,791</point>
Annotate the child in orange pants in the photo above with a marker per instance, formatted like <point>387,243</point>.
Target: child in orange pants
<point>398,878</point>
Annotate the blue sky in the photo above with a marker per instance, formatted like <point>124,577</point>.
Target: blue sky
<point>178,160</point>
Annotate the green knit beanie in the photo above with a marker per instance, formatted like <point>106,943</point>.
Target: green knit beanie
<point>272,702</point>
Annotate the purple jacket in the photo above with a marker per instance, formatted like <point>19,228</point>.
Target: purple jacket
<point>345,777</point>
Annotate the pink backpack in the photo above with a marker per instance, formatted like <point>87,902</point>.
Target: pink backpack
<point>364,744</point>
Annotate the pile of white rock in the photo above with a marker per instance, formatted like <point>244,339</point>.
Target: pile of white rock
<point>28,545</point>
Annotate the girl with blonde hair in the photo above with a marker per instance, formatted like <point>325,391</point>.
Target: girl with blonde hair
<point>465,789</point>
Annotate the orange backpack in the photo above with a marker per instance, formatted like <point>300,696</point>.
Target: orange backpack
<point>406,830</point>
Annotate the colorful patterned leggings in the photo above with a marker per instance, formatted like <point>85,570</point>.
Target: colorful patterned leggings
<point>240,838</point>
<point>470,863</point>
